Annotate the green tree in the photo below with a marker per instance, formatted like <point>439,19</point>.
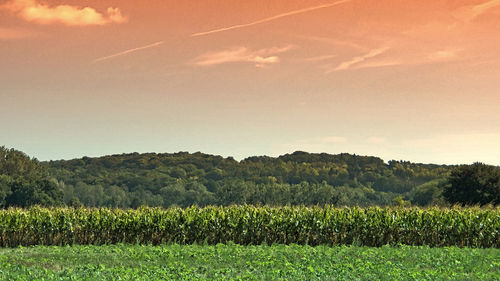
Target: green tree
<point>27,192</point>
<point>473,184</point>
<point>5,189</point>
<point>25,182</point>
<point>183,179</point>
<point>429,193</point>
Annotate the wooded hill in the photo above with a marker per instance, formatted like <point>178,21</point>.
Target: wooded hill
<point>300,178</point>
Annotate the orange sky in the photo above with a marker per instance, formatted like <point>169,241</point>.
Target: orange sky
<point>412,80</point>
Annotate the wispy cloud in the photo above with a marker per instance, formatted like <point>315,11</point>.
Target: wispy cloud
<point>32,11</point>
<point>469,13</point>
<point>260,58</point>
<point>317,58</point>
<point>359,59</point>
<point>369,60</point>
<point>126,52</point>
<point>443,55</point>
<point>384,63</point>
<point>287,14</point>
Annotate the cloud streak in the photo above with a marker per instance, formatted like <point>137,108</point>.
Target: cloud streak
<point>126,52</point>
<point>32,11</point>
<point>287,14</point>
<point>359,59</point>
<point>317,58</point>
<point>439,56</point>
<point>261,57</point>
<point>469,13</point>
<point>365,61</point>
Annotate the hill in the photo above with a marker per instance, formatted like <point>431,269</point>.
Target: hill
<point>182,179</point>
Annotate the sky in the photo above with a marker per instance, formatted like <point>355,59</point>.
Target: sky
<point>414,80</point>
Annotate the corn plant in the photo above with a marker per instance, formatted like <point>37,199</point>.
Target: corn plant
<point>463,227</point>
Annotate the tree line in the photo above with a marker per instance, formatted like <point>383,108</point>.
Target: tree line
<point>184,179</point>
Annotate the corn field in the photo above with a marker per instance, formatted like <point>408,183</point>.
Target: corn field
<point>463,227</point>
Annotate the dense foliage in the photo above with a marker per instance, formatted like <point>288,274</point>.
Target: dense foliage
<point>25,182</point>
<point>474,184</point>
<point>471,227</point>
<point>235,262</point>
<point>183,179</point>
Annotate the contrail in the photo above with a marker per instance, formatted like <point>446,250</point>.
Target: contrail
<point>482,8</point>
<point>271,18</point>
<point>128,52</point>
<point>347,64</point>
<point>471,12</point>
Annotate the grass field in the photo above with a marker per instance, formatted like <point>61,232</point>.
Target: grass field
<point>223,262</point>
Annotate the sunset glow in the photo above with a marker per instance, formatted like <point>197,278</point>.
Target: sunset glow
<point>412,80</point>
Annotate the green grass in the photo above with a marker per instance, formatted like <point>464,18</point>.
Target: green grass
<point>223,262</point>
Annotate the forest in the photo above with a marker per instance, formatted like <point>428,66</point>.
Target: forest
<point>183,179</point>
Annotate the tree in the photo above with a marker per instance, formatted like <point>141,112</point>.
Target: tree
<point>28,192</point>
<point>183,179</point>
<point>473,184</point>
<point>5,189</point>
<point>25,182</point>
<point>429,193</point>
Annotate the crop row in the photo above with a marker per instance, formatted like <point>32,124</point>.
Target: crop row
<point>468,227</point>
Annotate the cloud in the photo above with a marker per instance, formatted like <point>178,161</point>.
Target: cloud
<point>32,11</point>
<point>317,58</point>
<point>287,14</point>
<point>432,57</point>
<point>413,59</point>
<point>260,58</point>
<point>356,60</point>
<point>384,63</point>
<point>469,13</point>
<point>443,55</point>
<point>126,52</point>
